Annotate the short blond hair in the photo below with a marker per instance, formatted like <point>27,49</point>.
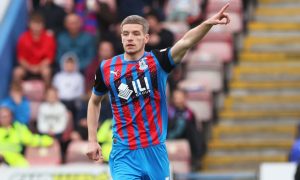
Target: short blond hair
<point>135,19</point>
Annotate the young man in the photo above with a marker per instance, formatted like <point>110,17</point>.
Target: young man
<point>35,51</point>
<point>136,81</point>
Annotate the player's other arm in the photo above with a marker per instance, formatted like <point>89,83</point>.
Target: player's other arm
<point>93,113</point>
<point>193,36</point>
<point>94,149</point>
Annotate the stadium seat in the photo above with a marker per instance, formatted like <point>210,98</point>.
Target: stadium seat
<point>34,90</point>
<point>212,78</point>
<point>199,99</point>
<point>221,50</point>
<point>218,37</point>
<point>76,152</point>
<point>179,155</point>
<point>45,156</point>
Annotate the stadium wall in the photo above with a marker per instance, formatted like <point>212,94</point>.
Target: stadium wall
<point>12,25</point>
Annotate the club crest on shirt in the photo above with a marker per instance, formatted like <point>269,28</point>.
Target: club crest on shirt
<point>142,64</point>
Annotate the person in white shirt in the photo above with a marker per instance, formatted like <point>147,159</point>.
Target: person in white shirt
<point>52,115</point>
<point>70,83</point>
<point>54,119</point>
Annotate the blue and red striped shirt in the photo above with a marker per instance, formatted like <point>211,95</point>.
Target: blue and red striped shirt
<point>137,91</point>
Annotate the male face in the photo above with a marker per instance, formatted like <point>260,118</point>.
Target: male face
<point>106,50</point>
<point>73,24</point>
<point>5,117</point>
<point>133,38</point>
<point>36,27</point>
<point>179,98</point>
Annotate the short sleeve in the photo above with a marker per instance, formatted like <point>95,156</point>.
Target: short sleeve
<point>99,86</point>
<point>165,59</point>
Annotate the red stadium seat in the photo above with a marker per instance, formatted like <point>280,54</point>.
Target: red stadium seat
<point>179,155</point>
<point>222,50</point>
<point>45,156</point>
<point>76,152</point>
<point>218,37</point>
<point>212,77</point>
<point>199,99</point>
<point>34,90</point>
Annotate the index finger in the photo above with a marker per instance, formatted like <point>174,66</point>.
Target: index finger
<point>224,8</point>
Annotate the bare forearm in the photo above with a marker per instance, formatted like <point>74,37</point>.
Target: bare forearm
<point>92,119</point>
<point>192,37</point>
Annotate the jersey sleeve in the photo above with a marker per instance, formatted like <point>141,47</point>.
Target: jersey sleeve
<point>165,59</point>
<point>99,87</point>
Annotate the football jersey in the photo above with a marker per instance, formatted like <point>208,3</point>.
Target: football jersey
<point>137,91</point>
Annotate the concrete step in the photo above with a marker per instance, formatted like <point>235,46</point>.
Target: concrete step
<point>278,19</point>
<point>236,162</point>
<point>228,114</point>
<point>265,103</point>
<point>254,144</point>
<point>277,12</point>
<point>285,85</point>
<point>250,41</point>
<point>279,3</point>
<point>275,33</point>
<point>266,74</point>
<point>271,44</point>
<point>266,64</point>
<point>266,70</point>
<point>265,92</point>
<point>246,133</point>
<point>277,26</point>
<point>270,57</point>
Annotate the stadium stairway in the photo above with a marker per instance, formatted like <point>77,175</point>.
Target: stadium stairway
<point>258,122</point>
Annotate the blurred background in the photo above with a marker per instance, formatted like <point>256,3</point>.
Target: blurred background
<point>234,102</point>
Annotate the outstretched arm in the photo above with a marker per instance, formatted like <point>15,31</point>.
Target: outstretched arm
<point>193,36</point>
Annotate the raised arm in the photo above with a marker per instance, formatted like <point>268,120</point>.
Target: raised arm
<point>193,36</point>
<point>94,149</point>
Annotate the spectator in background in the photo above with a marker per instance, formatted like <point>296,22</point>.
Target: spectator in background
<point>35,51</point>
<point>86,9</point>
<point>52,115</point>
<point>14,136</point>
<point>53,119</point>
<point>53,14</point>
<point>18,104</point>
<point>105,51</point>
<point>70,83</point>
<point>182,124</point>
<point>160,37</point>
<point>76,41</point>
<point>106,16</point>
